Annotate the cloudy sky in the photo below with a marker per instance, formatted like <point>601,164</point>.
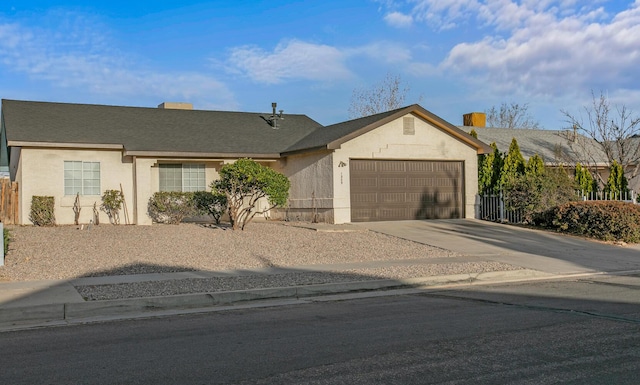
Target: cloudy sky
<point>456,56</point>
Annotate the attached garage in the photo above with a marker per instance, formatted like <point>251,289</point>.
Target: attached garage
<point>385,190</point>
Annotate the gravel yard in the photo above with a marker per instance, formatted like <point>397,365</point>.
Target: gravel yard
<point>64,252</point>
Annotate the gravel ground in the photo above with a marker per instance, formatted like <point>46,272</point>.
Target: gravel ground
<point>210,285</point>
<point>66,252</point>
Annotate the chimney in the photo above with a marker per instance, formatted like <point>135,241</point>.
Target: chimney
<point>176,106</point>
<point>474,119</point>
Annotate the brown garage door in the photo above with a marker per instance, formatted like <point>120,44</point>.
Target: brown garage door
<point>387,190</point>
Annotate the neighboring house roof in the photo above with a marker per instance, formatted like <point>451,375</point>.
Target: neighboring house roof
<point>147,131</point>
<point>190,133</point>
<point>554,146</point>
<point>331,137</point>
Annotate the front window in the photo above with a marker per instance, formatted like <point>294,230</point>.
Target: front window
<point>81,178</point>
<point>182,177</point>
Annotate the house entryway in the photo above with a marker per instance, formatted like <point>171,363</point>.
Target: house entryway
<point>390,190</point>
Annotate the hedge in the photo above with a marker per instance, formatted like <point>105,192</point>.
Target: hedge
<point>604,220</point>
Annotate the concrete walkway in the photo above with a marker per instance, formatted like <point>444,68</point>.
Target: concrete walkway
<point>541,255</point>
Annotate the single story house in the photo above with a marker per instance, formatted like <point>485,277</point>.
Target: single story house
<point>402,164</point>
<point>556,147</point>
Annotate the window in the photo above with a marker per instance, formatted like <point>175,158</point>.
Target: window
<point>182,177</point>
<point>81,177</point>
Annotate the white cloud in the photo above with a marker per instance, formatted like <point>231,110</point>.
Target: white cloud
<point>398,19</point>
<point>549,55</point>
<point>538,47</point>
<point>76,54</point>
<point>382,51</point>
<point>291,60</point>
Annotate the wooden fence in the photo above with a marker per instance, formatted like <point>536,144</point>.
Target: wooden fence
<point>8,201</point>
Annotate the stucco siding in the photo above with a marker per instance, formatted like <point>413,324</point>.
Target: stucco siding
<point>41,172</point>
<point>390,142</point>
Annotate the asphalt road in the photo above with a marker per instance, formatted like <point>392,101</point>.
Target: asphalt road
<point>583,331</point>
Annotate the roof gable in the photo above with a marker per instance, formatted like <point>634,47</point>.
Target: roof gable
<point>331,137</point>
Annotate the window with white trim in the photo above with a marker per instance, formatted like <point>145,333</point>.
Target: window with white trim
<point>182,177</point>
<point>81,178</point>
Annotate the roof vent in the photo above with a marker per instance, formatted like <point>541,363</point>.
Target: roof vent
<point>273,119</point>
<point>176,106</point>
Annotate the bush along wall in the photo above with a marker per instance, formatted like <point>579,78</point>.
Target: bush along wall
<point>42,211</point>
<point>171,206</point>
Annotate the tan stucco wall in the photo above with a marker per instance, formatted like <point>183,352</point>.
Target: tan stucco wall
<point>148,181</point>
<point>389,142</point>
<point>41,172</point>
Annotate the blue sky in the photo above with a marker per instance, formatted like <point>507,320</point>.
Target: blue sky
<point>457,56</point>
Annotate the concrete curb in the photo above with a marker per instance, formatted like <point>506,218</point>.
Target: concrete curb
<point>14,318</point>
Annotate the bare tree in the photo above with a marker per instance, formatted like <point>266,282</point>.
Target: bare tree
<point>512,115</point>
<point>385,96</point>
<point>614,130</point>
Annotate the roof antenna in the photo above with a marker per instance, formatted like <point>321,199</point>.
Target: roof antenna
<point>273,119</point>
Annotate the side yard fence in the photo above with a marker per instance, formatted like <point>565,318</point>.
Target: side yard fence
<point>492,206</point>
<point>8,201</point>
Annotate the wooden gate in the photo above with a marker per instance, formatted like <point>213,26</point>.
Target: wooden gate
<point>8,201</point>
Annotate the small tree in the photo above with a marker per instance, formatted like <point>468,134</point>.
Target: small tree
<point>513,163</point>
<point>617,182</point>
<point>609,130</point>
<point>386,96</point>
<point>212,203</point>
<point>511,115</point>
<point>534,166</point>
<point>584,180</point>
<point>111,204</point>
<point>244,182</point>
<point>488,166</point>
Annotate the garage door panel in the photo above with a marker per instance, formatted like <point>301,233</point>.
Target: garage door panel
<point>386,182</point>
<point>401,189</point>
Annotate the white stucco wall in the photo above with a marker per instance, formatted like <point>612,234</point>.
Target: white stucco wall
<point>389,142</point>
<point>41,172</point>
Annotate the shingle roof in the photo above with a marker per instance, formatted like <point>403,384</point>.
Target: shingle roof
<point>153,129</point>
<point>552,145</point>
<point>156,131</point>
<point>332,136</point>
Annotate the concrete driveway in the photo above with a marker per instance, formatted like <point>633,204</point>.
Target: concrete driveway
<point>534,249</point>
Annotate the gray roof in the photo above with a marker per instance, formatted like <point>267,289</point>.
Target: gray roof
<point>170,132</point>
<point>153,129</point>
<point>331,137</point>
<point>554,146</point>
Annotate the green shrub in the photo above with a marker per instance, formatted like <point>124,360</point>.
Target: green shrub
<point>537,192</point>
<point>171,206</point>
<point>42,211</point>
<point>7,239</point>
<point>111,204</point>
<point>210,203</point>
<point>605,220</point>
